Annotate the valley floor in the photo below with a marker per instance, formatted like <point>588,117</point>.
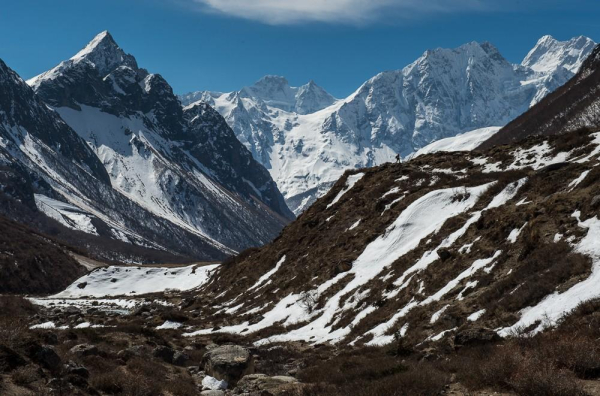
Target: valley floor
<point>124,345</point>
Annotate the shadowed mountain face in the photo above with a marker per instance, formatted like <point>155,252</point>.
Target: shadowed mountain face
<point>47,168</point>
<point>32,263</point>
<point>173,179</point>
<point>443,93</point>
<point>573,106</point>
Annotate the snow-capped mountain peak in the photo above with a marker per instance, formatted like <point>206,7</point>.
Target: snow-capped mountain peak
<point>311,98</point>
<point>276,92</point>
<point>185,167</point>
<point>445,92</point>
<point>271,85</point>
<point>105,54</point>
<point>549,54</point>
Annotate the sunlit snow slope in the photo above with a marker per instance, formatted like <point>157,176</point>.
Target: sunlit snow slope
<point>444,93</point>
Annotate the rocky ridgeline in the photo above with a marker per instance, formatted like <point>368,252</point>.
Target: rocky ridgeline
<point>104,149</point>
<point>441,94</point>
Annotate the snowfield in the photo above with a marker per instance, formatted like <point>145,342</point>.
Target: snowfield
<point>118,281</point>
<point>464,142</point>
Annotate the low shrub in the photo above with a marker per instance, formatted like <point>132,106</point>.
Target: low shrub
<point>24,376</point>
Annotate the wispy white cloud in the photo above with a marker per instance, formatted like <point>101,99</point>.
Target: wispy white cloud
<point>336,11</point>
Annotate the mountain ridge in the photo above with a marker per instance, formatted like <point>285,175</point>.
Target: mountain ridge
<point>571,107</point>
<point>157,164</point>
<point>443,93</point>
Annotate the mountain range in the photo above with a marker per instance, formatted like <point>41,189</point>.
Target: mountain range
<point>444,249</point>
<point>306,138</point>
<point>104,147</point>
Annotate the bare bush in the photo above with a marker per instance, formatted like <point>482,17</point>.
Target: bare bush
<point>309,300</point>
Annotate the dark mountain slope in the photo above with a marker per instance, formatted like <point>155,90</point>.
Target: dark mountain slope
<point>573,106</point>
<point>116,158</point>
<point>215,145</point>
<point>125,113</point>
<point>43,161</point>
<point>23,110</point>
<point>32,263</point>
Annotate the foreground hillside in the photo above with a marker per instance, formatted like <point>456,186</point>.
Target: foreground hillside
<point>457,273</point>
<point>502,240</point>
<point>454,272</point>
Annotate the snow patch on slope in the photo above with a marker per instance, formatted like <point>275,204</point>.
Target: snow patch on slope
<point>464,142</point>
<point>66,214</point>
<point>116,281</point>
<point>554,306</point>
<point>350,182</point>
<point>420,219</point>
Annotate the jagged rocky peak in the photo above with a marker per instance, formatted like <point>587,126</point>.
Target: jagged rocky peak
<point>275,91</point>
<point>469,53</point>
<point>574,107</point>
<point>550,54</point>
<point>105,54</point>
<point>187,171</point>
<point>311,98</point>
<point>102,55</point>
<point>200,115</point>
<point>492,51</point>
<point>271,83</point>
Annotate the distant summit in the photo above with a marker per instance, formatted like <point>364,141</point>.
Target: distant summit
<point>276,92</point>
<point>573,107</point>
<point>306,138</point>
<point>550,54</point>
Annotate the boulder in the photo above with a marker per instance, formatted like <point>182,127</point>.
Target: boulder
<point>444,254</point>
<point>263,384</point>
<point>228,362</point>
<point>212,393</point>
<point>84,350</point>
<point>75,369</point>
<point>59,386</point>
<point>180,358</point>
<point>71,310</point>
<point>47,357</point>
<point>164,353</point>
<point>128,353</point>
<point>50,338</point>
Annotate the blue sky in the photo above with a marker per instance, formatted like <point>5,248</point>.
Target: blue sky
<point>226,44</point>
